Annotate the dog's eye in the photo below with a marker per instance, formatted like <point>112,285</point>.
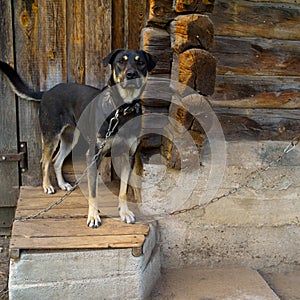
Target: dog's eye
<point>121,62</point>
<point>140,62</point>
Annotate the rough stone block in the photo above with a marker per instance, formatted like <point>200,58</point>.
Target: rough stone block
<point>192,31</point>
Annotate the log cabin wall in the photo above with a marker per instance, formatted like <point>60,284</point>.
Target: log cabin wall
<point>257,47</point>
<point>181,35</point>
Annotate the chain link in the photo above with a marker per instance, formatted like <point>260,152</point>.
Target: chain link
<point>112,126</point>
<point>113,123</point>
<point>294,142</point>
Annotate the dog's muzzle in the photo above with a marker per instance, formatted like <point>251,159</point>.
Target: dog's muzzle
<point>132,80</point>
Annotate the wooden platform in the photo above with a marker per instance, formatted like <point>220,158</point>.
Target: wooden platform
<point>64,227</point>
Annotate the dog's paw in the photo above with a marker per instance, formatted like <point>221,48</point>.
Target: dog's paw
<point>49,189</point>
<point>65,186</point>
<point>94,221</point>
<point>127,215</point>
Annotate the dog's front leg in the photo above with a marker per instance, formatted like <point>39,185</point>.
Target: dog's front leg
<point>126,215</point>
<point>93,220</point>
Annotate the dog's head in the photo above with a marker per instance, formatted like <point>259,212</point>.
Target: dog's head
<point>129,71</point>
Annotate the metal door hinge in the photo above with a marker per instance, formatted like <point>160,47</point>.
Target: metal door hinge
<point>21,157</point>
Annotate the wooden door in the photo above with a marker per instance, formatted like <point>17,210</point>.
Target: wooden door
<point>49,42</point>
<point>9,171</point>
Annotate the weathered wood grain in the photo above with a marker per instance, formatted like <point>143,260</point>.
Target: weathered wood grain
<point>156,41</point>
<point>76,57</point>
<point>273,20</point>
<point>40,44</point>
<point>198,6</point>
<point>136,20</point>
<point>257,56</point>
<point>54,232</point>
<point>9,171</point>
<point>161,12</point>
<point>97,41</point>
<point>257,92</point>
<point>191,31</point>
<point>195,68</point>
<point>117,29</point>
<point>259,124</point>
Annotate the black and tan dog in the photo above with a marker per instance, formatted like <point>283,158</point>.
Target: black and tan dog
<point>70,109</point>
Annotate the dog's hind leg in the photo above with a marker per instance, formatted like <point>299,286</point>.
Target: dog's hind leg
<point>48,148</point>
<point>69,139</point>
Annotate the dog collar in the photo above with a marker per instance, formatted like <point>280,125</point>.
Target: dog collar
<point>131,109</point>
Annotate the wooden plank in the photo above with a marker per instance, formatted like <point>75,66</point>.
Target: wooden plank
<point>97,41</point>
<point>195,68</point>
<point>135,18</point>
<point>191,31</point>
<point>156,41</point>
<point>196,6</point>
<point>41,61</point>
<point>64,227</point>
<point>257,56</point>
<point>61,227</point>
<point>88,242</point>
<point>251,18</point>
<point>259,124</point>
<point>9,171</point>
<point>240,91</point>
<point>75,31</point>
<point>161,12</point>
<point>117,24</point>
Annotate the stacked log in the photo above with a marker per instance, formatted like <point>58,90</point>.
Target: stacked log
<point>181,36</point>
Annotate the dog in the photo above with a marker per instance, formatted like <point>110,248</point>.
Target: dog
<point>69,109</point>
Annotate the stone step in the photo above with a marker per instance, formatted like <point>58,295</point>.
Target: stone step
<point>286,284</point>
<point>234,283</point>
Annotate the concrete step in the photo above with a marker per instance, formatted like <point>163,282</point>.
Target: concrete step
<point>286,284</point>
<point>228,283</point>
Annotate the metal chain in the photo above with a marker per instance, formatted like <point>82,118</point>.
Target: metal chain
<point>112,126</point>
<point>294,142</point>
<point>113,123</point>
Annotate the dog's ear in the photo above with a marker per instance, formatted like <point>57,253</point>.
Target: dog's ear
<point>151,61</point>
<point>110,57</point>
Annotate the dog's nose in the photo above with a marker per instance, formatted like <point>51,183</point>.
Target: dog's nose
<point>131,74</point>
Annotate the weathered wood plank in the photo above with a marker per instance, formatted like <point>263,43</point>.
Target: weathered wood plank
<point>40,37</point>
<point>198,6</point>
<point>88,242</point>
<point>97,41</point>
<point>195,68</point>
<point>52,34</point>
<point>64,227</point>
<point>257,92</point>
<point>61,227</point>
<point>75,26</point>
<point>156,41</point>
<point>136,20</point>
<point>9,172</point>
<point>257,56</point>
<point>259,124</point>
<point>161,12</point>
<point>118,24</point>
<point>257,18</point>
<point>191,31</point>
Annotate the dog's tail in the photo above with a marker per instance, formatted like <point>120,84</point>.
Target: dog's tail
<point>17,84</point>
